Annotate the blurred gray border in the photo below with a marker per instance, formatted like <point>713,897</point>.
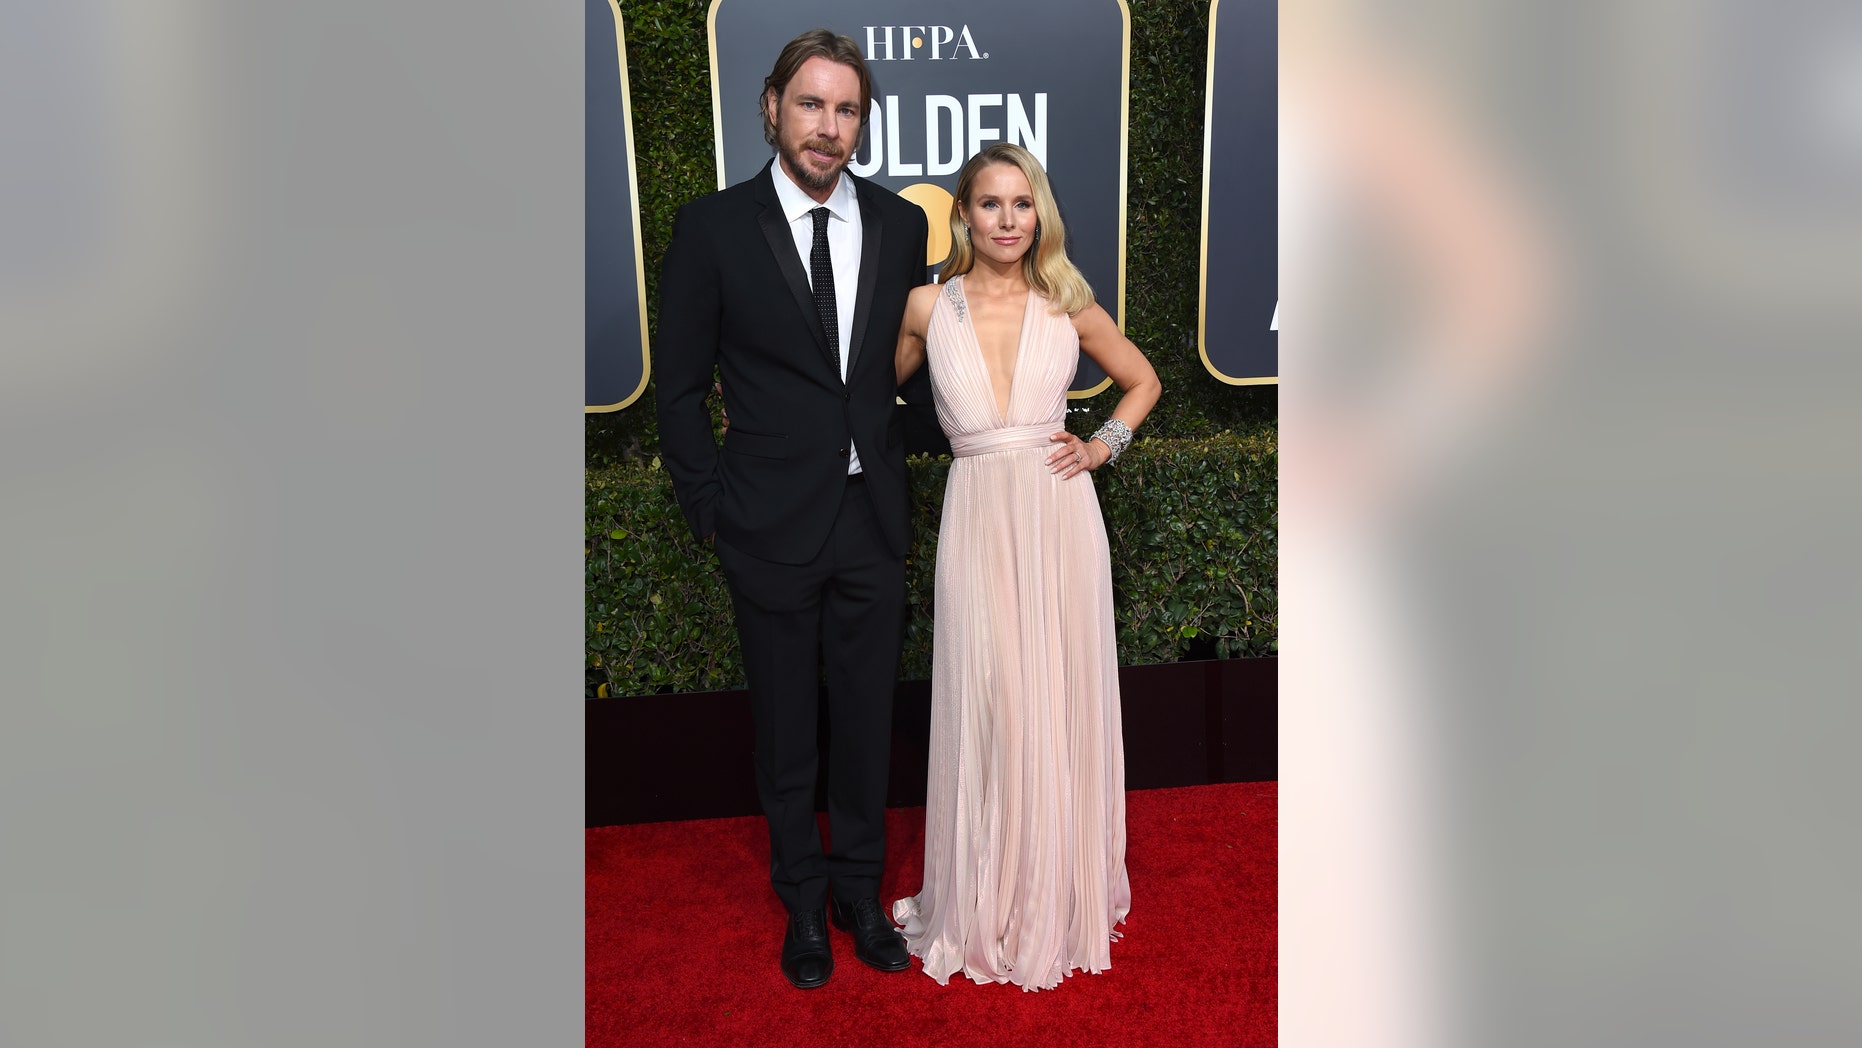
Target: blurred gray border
<point>1570,496</point>
<point>290,625</point>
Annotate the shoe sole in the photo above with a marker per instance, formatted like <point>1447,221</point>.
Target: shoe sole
<point>847,926</point>
<point>799,985</point>
<point>882,967</point>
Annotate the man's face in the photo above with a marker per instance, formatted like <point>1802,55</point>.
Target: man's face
<point>817,122</point>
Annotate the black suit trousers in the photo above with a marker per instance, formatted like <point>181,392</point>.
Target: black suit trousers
<point>845,607</point>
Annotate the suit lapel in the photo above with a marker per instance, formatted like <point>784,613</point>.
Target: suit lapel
<point>870,230</point>
<point>782,245</point>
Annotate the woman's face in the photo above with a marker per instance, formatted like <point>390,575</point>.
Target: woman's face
<point>1001,213</point>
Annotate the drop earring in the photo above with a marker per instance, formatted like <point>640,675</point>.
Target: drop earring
<point>966,232</point>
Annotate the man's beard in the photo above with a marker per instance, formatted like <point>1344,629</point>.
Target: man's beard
<point>805,173</point>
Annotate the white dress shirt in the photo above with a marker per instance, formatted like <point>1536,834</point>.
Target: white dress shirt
<point>843,246</point>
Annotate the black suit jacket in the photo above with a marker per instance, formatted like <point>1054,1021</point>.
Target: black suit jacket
<point>734,294</point>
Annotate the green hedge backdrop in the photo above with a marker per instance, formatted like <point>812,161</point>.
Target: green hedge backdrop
<point>1190,510</point>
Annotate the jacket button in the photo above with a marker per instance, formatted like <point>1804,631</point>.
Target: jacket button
<point>846,395</point>
<point>843,452</point>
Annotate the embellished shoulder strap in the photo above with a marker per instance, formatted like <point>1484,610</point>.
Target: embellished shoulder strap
<point>955,295</point>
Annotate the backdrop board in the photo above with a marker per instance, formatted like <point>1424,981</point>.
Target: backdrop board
<point>1050,75</point>
<point>615,298</point>
<point>1238,330</point>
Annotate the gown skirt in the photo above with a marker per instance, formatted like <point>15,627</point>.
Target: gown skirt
<point>1024,873</point>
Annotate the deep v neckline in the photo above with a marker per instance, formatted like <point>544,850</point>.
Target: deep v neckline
<point>962,303</point>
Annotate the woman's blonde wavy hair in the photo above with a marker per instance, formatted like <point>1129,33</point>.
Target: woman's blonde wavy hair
<point>1046,265</point>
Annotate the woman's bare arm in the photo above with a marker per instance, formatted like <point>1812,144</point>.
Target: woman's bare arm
<point>1101,340</point>
<point>910,352</point>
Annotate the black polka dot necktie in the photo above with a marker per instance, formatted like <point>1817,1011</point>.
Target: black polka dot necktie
<point>821,273</point>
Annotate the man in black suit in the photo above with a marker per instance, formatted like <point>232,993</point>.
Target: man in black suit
<point>792,285</point>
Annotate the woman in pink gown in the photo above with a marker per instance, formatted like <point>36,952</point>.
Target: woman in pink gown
<point>1024,877</point>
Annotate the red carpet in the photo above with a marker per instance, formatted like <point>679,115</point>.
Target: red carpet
<point>684,933</point>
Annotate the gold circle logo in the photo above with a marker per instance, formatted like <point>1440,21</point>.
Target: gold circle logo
<point>935,200</point>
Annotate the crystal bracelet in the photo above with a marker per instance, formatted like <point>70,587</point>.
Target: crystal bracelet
<point>1115,435</point>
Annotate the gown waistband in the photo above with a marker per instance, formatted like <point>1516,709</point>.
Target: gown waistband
<point>1007,438</point>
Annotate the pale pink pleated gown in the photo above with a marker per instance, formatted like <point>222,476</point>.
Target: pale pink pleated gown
<point>1025,805</point>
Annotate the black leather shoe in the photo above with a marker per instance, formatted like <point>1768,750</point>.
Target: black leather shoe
<point>806,959</point>
<point>875,941</point>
